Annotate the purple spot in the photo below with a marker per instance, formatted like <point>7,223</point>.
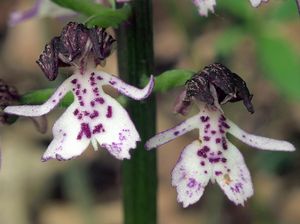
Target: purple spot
<point>206,138</point>
<point>81,103</point>
<point>76,112</point>
<point>176,133</point>
<point>218,173</point>
<point>192,183</point>
<point>100,100</point>
<point>238,187</point>
<point>109,112</point>
<point>84,91</point>
<point>77,92</point>
<point>86,113</point>
<point>53,101</point>
<point>202,163</point>
<point>93,73</point>
<point>213,132</point>
<point>112,82</point>
<point>224,160</point>
<point>94,114</point>
<point>205,171</point>
<point>92,103</point>
<point>207,126</point>
<point>218,140</point>
<point>224,143</point>
<point>225,125</point>
<point>205,148</point>
<point>96,90</point>
<point>99,78</point>
<point>214,160</point>
<point>244,136</point>
<point>204,118</point>
<point>85,130</point>
<point>74,81</point>
<point>60,93</point>
<point>78,86</point>
<point>222,118</point>
<point>202,152</point>
<point>98,128</point>
<point>219,152</point>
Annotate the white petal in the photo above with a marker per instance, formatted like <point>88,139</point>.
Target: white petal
<point>233,176</point>
<point>126,89</point>
<point>114,129</point>
<point>70,137</point>
<point>256,3</point>
<point>190,175</point>
<point>204,6</point>
<point>39,110</point>
<point>170,134</point>
<point>258,141</point>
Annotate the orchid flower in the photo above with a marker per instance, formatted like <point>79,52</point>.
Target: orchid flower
<point>212,156</point>
<point>204,6</point>
<point>94,116</point>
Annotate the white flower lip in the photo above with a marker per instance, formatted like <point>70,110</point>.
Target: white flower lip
<point>93,116</point>
<point>213,157</point>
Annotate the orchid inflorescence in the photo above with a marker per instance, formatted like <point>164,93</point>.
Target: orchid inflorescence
<point>97,118</point>
<point>212,156</point>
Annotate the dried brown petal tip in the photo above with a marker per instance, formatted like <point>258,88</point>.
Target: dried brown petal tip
<point>76,43</point>
<point>216,81</point>
<point>8,96</point>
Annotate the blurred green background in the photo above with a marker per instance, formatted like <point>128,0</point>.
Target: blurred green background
<point>261,45</point>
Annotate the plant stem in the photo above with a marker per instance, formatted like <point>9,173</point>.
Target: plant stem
<point>135,56</point>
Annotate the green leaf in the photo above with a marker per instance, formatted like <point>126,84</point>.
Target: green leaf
<point>280,61</point>
<point>171,79</point>
<point>97,13</point>
<point>228,40</point>
<point>110,17</point>
<point>41,96</point>
<point>86,7</point>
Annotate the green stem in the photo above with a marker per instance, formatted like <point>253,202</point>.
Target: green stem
<point>135,56</point>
